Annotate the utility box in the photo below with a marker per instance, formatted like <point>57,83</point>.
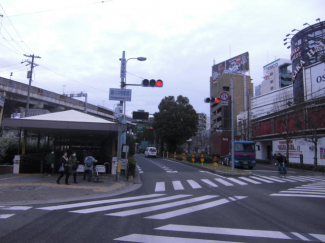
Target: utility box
<point>16,161</point>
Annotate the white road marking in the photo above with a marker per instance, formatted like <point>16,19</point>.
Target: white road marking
<point>304,192</point>
<point>164,239</point>
<point>5,216</point>
<point>295,195</point>
<point>194,184</point>
<point>307,189</point>
<point>238,181</point>
<point>210,183</point>
<point>300,236</point>
<point>178,185</point>
<point>260,179</point>
<point>272,179</point>
<point>92,203</point>
<point>225,231</point>
<point>15,208</point>
<point>222,181</point>
<point>192,209</point>
<point>130,204</point>
<point>139,169</point>
<point>160,207</point>
<point>241,232</point>
<point>160,187</point>
<point>284,179</point>
<point>203,171</point>
<point>249,180</point>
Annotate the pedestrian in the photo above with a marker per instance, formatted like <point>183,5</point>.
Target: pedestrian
<point>89,165</point>
<point>64,168</point>
<point>281,162</point>
<point>73,163</point>
<point>49,162</point>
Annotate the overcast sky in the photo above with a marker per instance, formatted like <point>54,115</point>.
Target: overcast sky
<point>80,43</point>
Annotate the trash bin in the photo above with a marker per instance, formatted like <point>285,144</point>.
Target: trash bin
<point>16,161</point>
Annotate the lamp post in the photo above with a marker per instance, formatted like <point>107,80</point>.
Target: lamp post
<point>120,120</point>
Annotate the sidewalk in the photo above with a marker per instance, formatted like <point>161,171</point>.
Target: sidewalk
<point>24,189</point>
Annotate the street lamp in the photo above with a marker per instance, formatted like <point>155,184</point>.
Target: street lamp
<point>294,30</point>
<point>306,24</point>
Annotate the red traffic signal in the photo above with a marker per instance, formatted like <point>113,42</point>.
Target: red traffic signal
<point>212,100</point>
<point>152,83</point>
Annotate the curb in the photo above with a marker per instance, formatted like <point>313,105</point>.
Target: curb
<point>136,177</point>
<point>228,174</point>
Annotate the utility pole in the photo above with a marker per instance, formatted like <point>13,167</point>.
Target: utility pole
<point>232,125</point>
<point>30,80</point>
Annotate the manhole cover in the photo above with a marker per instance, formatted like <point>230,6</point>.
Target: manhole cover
<point>27,188</point>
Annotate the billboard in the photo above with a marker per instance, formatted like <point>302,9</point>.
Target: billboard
<point>238,64</point>
<point>314,81</point>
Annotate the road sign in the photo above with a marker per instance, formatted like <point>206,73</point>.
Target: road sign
<point>123,68</point>
<point>202,159</point>
<point>120,94</point>
<point>202,155</point>
<point>193,159</point>
<point>215,164</point>
<point>193,155</point>
<point>224,103</point>
<point>224,96</point>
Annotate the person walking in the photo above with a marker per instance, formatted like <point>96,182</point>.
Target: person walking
<point>89,165</point>
<point>49,162</point>
<point>64,169</point>
<point>73,164</point>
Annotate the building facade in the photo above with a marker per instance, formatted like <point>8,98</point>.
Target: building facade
<point>307,48</point>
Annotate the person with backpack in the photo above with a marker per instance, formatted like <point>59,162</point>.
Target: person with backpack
<point>88,164</point>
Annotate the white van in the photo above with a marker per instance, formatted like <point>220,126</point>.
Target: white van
<point>150,152</point>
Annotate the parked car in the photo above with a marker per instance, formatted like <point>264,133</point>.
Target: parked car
<point>151,152</point>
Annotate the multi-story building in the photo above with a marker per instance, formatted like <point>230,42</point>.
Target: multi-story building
<point>220,113</point>
<point>277,75</point>
<point>202,125</point>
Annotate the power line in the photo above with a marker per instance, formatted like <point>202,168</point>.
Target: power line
<point>15,29</point>
<point>55,9</point>
<point>74,80</point>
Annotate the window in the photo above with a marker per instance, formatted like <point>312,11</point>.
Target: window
<point>271,81</point>
<point>225,88</point>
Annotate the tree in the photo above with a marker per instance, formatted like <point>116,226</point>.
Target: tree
<point>175,122</point>
<point>314,120</point>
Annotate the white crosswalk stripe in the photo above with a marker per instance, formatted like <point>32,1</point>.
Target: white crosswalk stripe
<point>315,190</point>
<point>223,181</point>
<point>5,216</point>
<point>178,185</point>
<point>194,184</point>
<point>228,181</point>
<point>238,181</point>
<point>210,183</point>
<point>184,204</point>
<point>160,207</point>
<point>11,208</point>
<point>130,204</point>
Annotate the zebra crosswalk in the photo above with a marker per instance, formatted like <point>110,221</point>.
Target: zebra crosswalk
<point>316,190</point>
<point>7,215</point>
<point>142,205</point>
<point>178,185</point>
<point>204,231</point>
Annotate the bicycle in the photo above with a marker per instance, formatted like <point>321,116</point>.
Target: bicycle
<point>95,174</point>
<point>282,171</point>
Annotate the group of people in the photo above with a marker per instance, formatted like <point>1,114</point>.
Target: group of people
<point>69,165</point>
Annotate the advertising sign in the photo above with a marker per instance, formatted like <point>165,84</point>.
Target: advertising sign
<point>280,146</point>
<point>238,64</point>
<point>315,81</point>
<point>322,152</point>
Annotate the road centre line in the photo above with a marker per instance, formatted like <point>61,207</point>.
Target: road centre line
<point>92,203</point>
<point>130,204</point>
<point>162,206</point>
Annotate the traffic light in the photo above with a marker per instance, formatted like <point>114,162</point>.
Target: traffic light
<point>212,100</point>
<point>152,83</point>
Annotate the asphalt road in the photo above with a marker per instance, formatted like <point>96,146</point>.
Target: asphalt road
<point>179,203</point>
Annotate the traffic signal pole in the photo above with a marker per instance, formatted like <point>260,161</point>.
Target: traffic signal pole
<point>232,124</point>
<point>119,133</point>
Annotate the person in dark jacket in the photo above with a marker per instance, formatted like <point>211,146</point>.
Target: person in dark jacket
<point>281,162</point>
<point>73,163</point>
<point>64,163</point>
<point>49,161</point>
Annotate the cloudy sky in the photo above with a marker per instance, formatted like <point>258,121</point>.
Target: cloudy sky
<point>80,43</point>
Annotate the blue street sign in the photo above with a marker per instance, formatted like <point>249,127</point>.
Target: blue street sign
<point>123,68</point>
<point>120,94</point>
